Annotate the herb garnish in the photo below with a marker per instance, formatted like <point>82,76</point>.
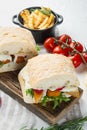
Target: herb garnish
<point>45,11</point>
<point>38,48</point>
<point>31,10</point>
<point>1,64</point>
<point>76,124</point>
<point>30,91</point>
<point>56,100</point>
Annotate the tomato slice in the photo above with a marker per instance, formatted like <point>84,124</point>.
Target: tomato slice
<point>59,89</point>
<point>38,91</point>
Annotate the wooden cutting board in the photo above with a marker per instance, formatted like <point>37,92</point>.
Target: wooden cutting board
<point>10,85</point>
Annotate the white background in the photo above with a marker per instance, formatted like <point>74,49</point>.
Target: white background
<point>73,11</point>
<point>74,24</point>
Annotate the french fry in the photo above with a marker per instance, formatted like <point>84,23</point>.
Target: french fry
<point>31,22</point>
<point>26,25</point>
<point>42,15</point>
<point>51,18</point>
<point>51,24</point>
<point>25,15</point>
<point>43,23</point>
<point>36,11</point>
<point>37,19</point>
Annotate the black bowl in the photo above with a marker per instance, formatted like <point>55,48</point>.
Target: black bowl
<point>40,35</point>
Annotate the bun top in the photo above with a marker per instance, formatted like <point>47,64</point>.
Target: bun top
<point>50,70</point>
<point>16,40</point>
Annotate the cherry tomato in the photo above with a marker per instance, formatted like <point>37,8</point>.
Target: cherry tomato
<point>76,59</point>
<point>67,51</point>
<point>50,44</point>
<point>60,50</point>
<point>85,56</point>
<point>65,38</point>
<point>77,45</point>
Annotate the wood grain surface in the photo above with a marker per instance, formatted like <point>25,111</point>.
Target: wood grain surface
<point>10,85</point>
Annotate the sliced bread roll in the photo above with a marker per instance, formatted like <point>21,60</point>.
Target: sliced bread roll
<point>17,45</point>
<point>48,74</point>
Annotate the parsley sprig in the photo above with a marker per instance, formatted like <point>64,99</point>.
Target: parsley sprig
<point>30,91</point>
<point>76,124</point>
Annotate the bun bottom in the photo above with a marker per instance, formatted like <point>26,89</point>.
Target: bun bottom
<point>11,66</point>
<point>26,98</point>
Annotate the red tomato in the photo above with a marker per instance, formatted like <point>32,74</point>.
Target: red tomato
<point>60,50</point>
<point>59,89</point>
<point>65,38</point>
<point>50,43</point>
<point>76,59</point>
<point>67,51</point>
<point>77,45</point>
<point>85,56</point>
<point>38,91</point>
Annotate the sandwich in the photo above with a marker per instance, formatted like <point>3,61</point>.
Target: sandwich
<point>48,77</point>
<point>17,45</point>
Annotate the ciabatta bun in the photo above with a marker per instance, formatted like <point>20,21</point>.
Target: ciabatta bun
<point>17,42</point>
<point>48,71</point>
